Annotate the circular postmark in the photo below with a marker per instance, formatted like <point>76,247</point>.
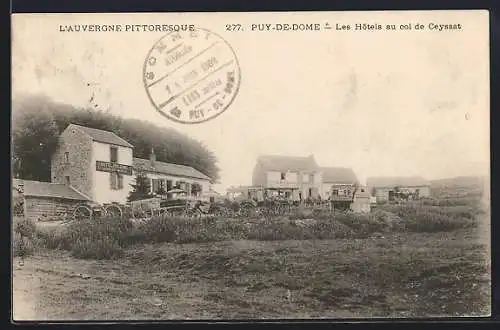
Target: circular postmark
<point>191,76</point>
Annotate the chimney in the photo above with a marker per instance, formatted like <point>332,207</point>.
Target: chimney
<point>152,157</point>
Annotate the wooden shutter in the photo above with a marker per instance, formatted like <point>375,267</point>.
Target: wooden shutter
<point>113,179</point>
<point>120,181</point>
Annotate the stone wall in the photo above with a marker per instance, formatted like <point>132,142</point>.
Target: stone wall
<point>78,167</point>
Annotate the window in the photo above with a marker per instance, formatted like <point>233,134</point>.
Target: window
<point>67,180</point>
<point>335,192</point>
<point>195,189</point>
<point>116,181</point>
<point>311,178</point>
<point>113,154</point>
<point>283,176</point>
<point>155,183</point>
<point>162,185</point>
<point>305,178</point>
<point>66,157</point>
<point>158,186</point>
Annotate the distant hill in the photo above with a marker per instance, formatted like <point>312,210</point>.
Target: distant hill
<point>463,186</point>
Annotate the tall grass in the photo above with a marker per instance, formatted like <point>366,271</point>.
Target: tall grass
<point>425,218</point>
<point>107,237</point>
<point>24,239</point>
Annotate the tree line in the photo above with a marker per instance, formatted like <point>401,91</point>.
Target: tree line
<point>37,122</point>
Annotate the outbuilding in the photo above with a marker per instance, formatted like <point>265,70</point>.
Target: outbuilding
<point>361,201</point>
<point>42,201</point>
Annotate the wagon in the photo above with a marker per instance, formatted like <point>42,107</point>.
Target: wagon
<point>89,211</point>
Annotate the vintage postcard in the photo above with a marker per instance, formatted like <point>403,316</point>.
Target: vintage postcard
<point>291,165</point>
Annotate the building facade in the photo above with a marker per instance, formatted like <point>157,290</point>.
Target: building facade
<point>386,189</point>
<point>100,165</point>
<point>296,178</point>
<point>339,183</point>
<point>164,177</point>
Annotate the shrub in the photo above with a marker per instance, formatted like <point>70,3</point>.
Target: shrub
<point>424,218</point>
<point>330,229</point>
<point>270,231</point>
<point>101,248</point>
<point>54,238</point>
<point>362,224</point>
<point>160,229</point>
<point>391,221</point>
<point>97,229</point>
<point>302,213</point>
<point>24,227</point>
<point>22,246</point>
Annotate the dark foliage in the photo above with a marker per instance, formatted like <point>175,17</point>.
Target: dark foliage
<point>38,121</point>
<point>140,189</point>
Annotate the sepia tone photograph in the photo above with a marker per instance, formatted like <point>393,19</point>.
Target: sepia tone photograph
<point>250,166</point>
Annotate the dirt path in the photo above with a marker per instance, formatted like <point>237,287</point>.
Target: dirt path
<point>25,294</point>
<point>400,276</point>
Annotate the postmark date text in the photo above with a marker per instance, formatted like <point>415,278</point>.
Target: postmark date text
<point>230,82</point>
<point>196,114</point>
<point>210,63</point>
<point>191,97</point>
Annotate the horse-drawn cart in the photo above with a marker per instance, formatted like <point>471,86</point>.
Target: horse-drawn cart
<point>91,211</point>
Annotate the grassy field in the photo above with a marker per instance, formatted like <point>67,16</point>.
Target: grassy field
<point>396,274</point>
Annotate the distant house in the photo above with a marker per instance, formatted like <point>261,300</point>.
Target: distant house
<point>392,188</point>
<point>338,183</point>
<point>293,177</point>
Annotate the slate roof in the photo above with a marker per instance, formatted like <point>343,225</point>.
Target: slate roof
<point>287,163</point>
<point>386,182</point>
<point>338,175</point>
<point>168,168</point>
<point>99,135</point>
<point>48,189</point>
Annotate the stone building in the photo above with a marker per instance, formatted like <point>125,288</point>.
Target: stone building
<point>100,166</point>
<point>96,166</point>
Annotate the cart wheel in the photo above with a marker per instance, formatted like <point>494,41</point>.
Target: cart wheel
<point>82,212</point>
<point>162,212</point>
<point>113,211</point>
<point>137,213</point>
<point>148,214</point>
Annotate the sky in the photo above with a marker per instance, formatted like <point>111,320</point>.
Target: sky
<point>385,103</point>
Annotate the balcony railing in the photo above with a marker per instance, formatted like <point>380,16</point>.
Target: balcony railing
<point>282,184</point>
<point>341,198</point>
